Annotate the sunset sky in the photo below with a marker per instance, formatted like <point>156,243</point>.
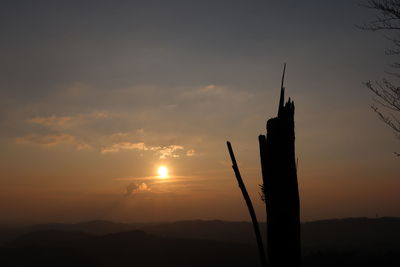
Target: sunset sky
<point>96,95</point>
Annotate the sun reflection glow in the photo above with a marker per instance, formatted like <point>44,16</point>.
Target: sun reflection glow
<point>162,172</point>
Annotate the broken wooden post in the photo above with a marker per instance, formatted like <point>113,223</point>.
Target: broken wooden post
<point>280,188</point>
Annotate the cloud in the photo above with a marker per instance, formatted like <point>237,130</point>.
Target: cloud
<point>134,188</point>
<point>123,146</point>
<point>52,121</point>
<point>63,122</point>
<point>104,146</point>
<point>47,140</point>
<point>83,146</point>
<point>168,151</point>
<point>140,131</point>
<point>211,88</point>
<point>100,115</point>
<point>213,91</point>
<point>190,152</point>
<point>162,151</point>
<point>52,139</point>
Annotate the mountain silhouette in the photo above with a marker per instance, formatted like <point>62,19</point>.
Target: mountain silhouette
<point>54,248</point>
<point>48,237</point>
<point>337,242</point>
<point>99,227</point>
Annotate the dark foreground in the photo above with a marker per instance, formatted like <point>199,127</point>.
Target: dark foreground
<point>348,242</point>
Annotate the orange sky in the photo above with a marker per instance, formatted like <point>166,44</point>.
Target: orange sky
<point>92,106</point>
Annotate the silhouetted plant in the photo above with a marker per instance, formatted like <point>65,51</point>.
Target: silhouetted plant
<point>386,92</point>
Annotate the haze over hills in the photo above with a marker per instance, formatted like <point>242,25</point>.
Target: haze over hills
<point>333,232</point>
<point>339,242</point>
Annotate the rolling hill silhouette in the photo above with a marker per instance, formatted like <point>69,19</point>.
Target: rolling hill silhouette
<point>137,248</point>
<point>339,242</point>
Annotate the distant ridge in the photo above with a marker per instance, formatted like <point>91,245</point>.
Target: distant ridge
<point>59,248</point>
<point>100,227</point>
<point>45,237</point>
<point>332,232</point>
<point>337,242</point>
<point>369,233</point>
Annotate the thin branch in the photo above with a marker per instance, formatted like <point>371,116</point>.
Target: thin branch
<point>387,94</point>
<point>249,206</point>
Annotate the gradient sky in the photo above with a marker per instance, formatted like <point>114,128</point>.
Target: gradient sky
<point>95,95</point>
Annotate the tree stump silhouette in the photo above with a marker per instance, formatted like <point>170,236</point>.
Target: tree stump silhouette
<point>280,188</point>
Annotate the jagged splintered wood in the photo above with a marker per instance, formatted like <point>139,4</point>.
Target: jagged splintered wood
<point>280,188</point>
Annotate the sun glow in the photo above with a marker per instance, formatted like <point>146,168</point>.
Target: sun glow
<point>162,172</point>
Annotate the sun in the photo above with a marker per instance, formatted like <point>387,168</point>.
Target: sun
<point>162,172</point>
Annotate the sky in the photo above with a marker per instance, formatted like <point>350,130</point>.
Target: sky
<point>96,95</point>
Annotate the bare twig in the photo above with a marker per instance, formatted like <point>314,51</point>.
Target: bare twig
<point>387,94</point>
<point>249,206</point>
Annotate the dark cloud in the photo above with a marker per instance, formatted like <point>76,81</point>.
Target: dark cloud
<point>134,188</point>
